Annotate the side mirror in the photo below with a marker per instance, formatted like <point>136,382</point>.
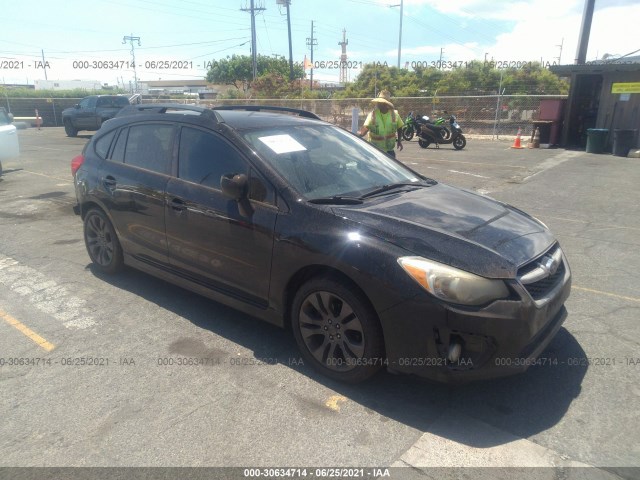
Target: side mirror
<point>10,115</point>
<point>234,186</point>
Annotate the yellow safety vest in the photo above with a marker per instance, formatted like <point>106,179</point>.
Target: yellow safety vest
<point>379,133</point>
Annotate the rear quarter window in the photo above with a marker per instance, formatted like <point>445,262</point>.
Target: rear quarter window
<point>103,143</point>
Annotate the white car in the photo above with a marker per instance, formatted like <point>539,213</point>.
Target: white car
<point>9,146</point>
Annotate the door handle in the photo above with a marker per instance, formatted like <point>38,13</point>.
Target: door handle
<point>178,205</point>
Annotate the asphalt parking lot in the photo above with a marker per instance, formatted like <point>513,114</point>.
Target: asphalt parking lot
<point>105,378</point>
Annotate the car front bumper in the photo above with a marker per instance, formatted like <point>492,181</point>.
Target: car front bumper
<point>502,339</point>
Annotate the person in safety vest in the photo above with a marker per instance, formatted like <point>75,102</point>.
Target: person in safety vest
<point>384,125</point>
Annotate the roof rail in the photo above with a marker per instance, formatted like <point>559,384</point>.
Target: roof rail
<point>143,108</point>
<point>259,108</point>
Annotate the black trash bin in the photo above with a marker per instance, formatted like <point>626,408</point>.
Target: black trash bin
<point>596,139</point>
<point>623,142</point>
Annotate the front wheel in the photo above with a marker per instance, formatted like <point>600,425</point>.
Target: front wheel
<point>424,143</point>
<point>460,142</point>
<point>102,242</point>
<point>69,129</point>
<point>408,133</point>
<point>337,331</point>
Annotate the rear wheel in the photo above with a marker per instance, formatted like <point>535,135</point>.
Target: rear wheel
<point>69,129</point>
<point>102,242</point>
<point>460,142</point>
<point>424,143</point>
<point>337,331</point>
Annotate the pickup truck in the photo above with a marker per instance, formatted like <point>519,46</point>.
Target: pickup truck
<point>91,112</point>
<point>9,146</point>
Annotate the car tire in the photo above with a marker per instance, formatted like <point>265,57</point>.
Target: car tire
<point>102,242</point>
<point>337,330</point>
<point>460,142</point>
<point>69,129</point>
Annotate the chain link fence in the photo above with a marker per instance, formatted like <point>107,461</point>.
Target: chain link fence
<point>486,115</point>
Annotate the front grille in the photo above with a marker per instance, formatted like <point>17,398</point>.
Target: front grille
<point>536,279</point>
<point>541,288</point>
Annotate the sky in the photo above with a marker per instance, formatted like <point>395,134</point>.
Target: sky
<point>84,40</point>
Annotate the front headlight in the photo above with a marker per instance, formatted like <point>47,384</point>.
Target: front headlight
<point>451,284</point>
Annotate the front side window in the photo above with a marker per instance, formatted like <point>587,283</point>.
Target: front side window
<point>204,157</point>
<point>88,102</point>
<point>149,147</point>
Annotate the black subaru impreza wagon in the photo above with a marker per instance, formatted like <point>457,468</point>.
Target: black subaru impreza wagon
<point>301,223</point>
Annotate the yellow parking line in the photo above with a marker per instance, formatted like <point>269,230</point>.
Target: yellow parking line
<point>622,297</point>
<point>48,346</point>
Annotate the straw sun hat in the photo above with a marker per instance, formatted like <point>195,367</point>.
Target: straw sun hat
<point>383,97</point>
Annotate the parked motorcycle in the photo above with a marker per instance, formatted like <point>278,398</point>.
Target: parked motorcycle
<point>410,127</point>
<point>429,133</point>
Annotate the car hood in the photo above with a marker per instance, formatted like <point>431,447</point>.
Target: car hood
<point>455,227</point>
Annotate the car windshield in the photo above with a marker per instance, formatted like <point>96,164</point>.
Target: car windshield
<point>325,161</point>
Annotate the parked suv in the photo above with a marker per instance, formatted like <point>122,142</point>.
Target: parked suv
<point>91,112</point>
<point>9,145</point>
<point>305,225</point>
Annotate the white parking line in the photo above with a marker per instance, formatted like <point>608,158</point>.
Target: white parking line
<point>457,440</point>
<point>467,173</point>
<point>44,294</point>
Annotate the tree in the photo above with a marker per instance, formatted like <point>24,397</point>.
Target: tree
<point>237,70</point>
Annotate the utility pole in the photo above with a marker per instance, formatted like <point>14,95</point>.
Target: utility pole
<point>290,47</point>
<point>440,61</point>
<point>585,30</point>
<point>254,56</point>
<point>310,43</point>
<point>559,57</point>
<point>44,65</point>
<point>343,58</point>
<point>401,5</point>
<point>131,39</point>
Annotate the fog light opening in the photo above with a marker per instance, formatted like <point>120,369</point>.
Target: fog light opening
<point>454,350</point>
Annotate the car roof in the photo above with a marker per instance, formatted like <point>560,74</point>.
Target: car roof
<point>237,117</point>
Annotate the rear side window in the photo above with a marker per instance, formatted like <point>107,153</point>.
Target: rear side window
<point>149,147</point>
<point>204,158</point>
<point>103,143</point>
<point>120,101</point>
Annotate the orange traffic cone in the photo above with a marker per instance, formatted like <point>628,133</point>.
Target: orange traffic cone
<point>516,143</point>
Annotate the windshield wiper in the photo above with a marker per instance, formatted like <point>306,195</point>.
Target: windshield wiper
<point>392,186</point>
<point>337,200</point>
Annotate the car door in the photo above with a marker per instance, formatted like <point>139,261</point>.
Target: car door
<point>133,181</point>
<point>208,237</point>
<point>85,114</point>
<point>9,146</point>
